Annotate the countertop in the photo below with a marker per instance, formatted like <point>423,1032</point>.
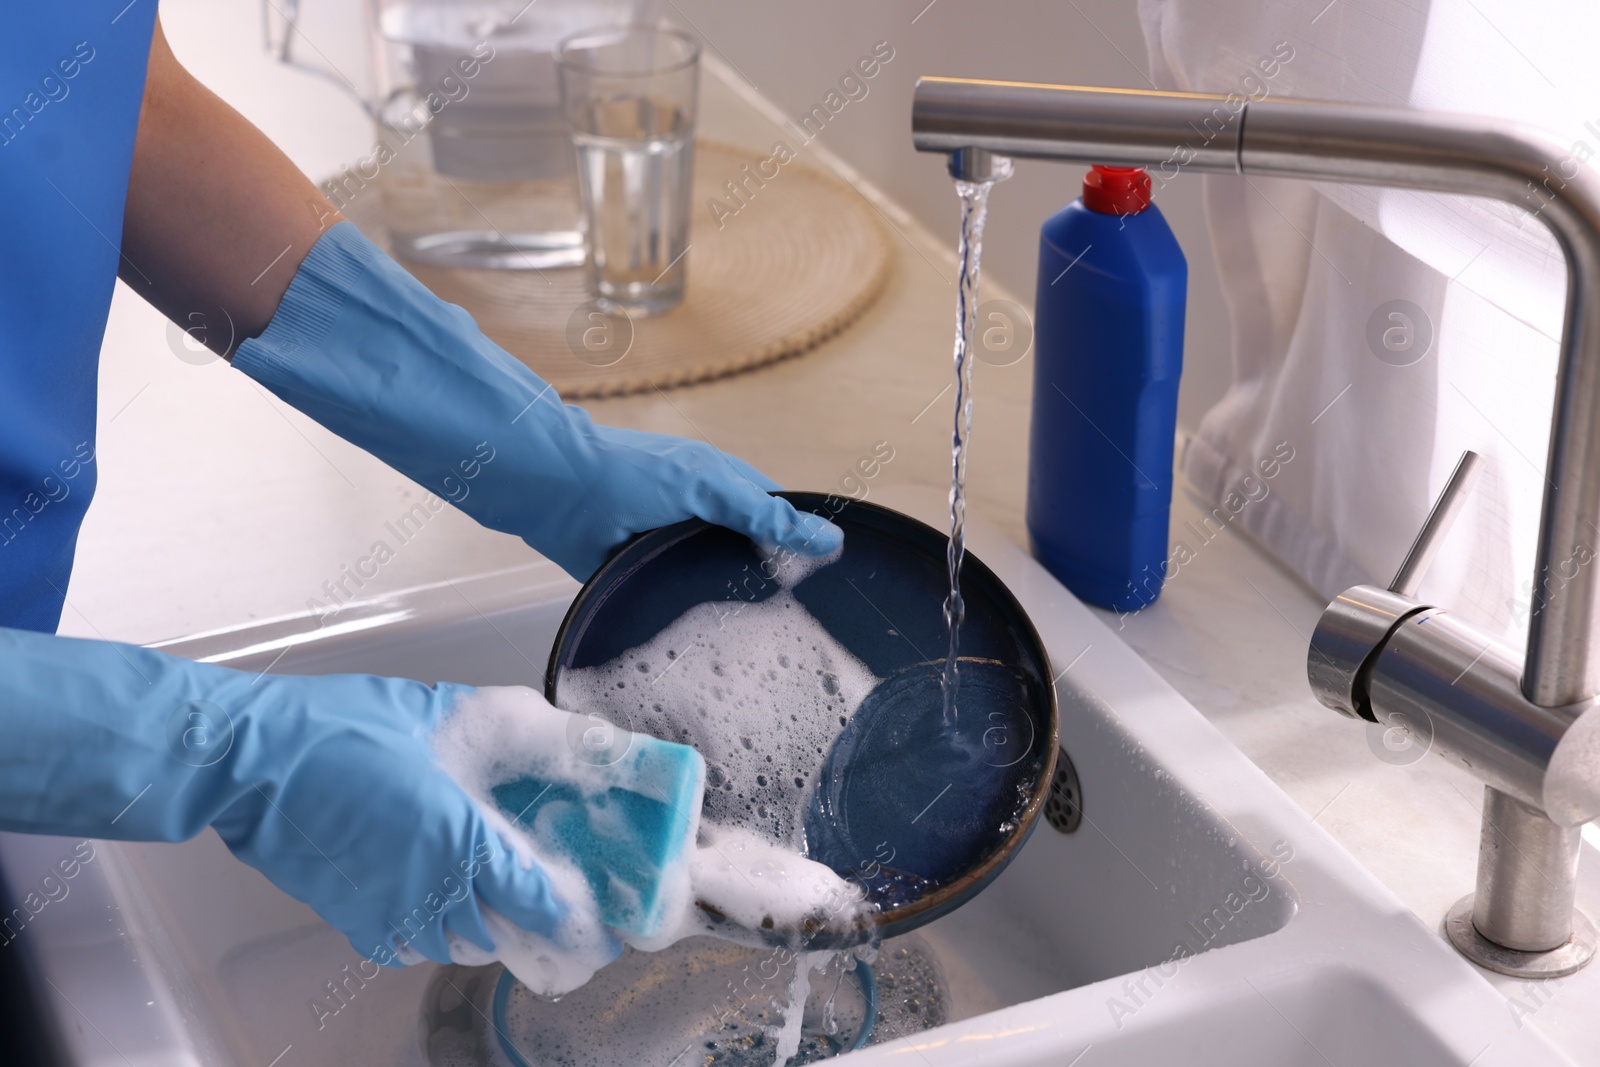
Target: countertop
<point>218,504</point>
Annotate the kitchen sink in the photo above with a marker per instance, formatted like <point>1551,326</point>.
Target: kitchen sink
<point>1194,914</point>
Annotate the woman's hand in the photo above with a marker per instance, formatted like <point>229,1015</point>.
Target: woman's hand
<point>365,349</point>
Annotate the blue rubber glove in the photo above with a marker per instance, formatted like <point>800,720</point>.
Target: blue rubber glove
<point>326,785</point>
<point>370,353</point>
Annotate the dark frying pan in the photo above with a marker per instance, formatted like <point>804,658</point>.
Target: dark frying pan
<point>923,817</point>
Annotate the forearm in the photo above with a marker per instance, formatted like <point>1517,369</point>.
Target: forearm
<point>88,725</point>
<point>116,741</point>
<point>218,219</point>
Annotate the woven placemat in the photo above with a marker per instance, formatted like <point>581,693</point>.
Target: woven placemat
<point>799,261</point>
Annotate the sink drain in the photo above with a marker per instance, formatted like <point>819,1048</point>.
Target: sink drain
<point>1063,809</point>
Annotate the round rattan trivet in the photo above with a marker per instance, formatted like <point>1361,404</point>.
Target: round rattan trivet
<point>800,260</point>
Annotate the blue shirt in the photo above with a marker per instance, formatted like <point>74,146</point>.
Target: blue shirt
<point>71,82</point>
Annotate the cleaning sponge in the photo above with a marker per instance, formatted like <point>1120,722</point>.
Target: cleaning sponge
<point>622,810</point>
<point>625,813</point>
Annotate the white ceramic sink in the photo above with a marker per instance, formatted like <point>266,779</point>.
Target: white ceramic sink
<point>1284,950</point>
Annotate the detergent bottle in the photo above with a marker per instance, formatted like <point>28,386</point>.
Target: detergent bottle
<point>1108,345</point>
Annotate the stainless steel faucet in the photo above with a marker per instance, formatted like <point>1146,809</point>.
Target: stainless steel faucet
<point>1528,726</point>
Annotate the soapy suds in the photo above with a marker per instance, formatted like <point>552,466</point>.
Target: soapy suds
<point>969,251</point>
<point>760,689</point>
<point>749,880</point>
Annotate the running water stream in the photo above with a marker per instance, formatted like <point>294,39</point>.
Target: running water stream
<point>969,252</point>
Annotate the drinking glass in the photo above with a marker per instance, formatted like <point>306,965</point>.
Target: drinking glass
<point>629,95</point>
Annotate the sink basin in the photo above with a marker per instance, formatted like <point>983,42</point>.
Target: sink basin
<point>1194,912</point>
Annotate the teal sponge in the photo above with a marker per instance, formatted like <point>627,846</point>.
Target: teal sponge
<point>627,821</point>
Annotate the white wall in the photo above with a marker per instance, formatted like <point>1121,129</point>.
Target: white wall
<point>795,53</point>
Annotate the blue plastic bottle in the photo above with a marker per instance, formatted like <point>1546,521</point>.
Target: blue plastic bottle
<point>1108,350</point>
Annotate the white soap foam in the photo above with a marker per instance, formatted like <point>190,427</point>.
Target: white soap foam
<point>755,883</point>
<point>760,689</point>
<point>788,569</point>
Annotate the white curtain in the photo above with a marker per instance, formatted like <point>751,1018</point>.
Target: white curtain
<point>1335,292</point>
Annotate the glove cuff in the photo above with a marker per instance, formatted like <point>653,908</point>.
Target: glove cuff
<point>372,354</point>
<point>316,295</point>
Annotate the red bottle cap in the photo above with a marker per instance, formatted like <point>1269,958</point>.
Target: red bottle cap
<point>1116,190</point>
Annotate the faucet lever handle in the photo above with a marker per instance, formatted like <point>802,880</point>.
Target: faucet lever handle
<point>1440,519</point>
